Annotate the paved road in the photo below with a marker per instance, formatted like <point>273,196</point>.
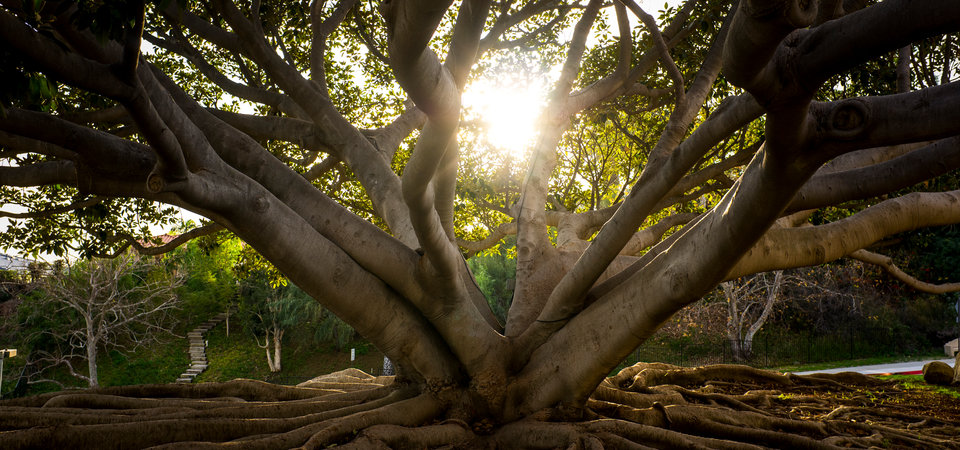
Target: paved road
<point>900,367</point>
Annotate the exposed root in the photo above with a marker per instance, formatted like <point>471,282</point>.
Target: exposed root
<point>746,405</point>
<point>412,412</point>
<point>395,436</point>
<point>644,406</point>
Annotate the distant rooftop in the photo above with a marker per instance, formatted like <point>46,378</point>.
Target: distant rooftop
<point>8,262</point>
<point>163,238</point>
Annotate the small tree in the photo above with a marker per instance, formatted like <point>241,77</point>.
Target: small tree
<point>121,303</point>
<point>750,301</point>
<point>272,310</point>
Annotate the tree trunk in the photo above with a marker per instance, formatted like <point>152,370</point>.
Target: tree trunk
<point>94,379</point>
<point>269,357</point>
<point>272,347</point>
<point>740,349</point>
<point>277,339</point>
<point>746,349</point>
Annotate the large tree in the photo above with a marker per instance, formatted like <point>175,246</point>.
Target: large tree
<point>346,179</point>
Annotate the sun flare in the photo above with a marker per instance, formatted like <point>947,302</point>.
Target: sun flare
<point>506,111</point>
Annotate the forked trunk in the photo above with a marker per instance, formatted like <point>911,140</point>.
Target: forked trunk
<point>741,349</point>
<point>271,346</point>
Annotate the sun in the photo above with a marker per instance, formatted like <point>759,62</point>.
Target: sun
<point>506,109</point>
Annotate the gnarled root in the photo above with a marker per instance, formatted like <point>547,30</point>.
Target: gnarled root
<point>643,406</point>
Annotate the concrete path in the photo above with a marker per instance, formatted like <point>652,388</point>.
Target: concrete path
<point>891,368</point>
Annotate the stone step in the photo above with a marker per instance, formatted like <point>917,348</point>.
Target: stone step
<point>188,374</point>
<point>193,371</point>
<point>201,367</point>
<point>184,380</point>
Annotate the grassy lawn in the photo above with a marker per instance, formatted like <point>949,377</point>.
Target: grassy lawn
<point>915,382</point>
<point>238,356</point>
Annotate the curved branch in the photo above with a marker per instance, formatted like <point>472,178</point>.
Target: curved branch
<point>888,25</point>
<point>784,248</point>
<point>536,270</point>
<point>321,31</point>
<point>52,172</point>
<point>53,211</point>
<point>858,123</point>
<point>661,47</point>
<point>434,90</point>
<point>372,170</point>
<point>182,47</point>
<point>886,263</point>
<point>152,250</point>
<point>51,58</point>
<point>649,236</point>
<point>898,173</point>
<point>107,154</point>
<point>498,233</point>
<point>668,163</point>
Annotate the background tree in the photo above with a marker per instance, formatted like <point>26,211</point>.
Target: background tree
<point>345,177</point>
<point>271,310</point>
<point>757,293</point>
<point>101,304</point>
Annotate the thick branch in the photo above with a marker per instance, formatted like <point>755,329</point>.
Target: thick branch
<point>898,173</point>
<point>784,248</point>
<point>53,211</point>
<point>39,174</point>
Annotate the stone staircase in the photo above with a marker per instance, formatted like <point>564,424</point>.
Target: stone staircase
<point>198,351</point>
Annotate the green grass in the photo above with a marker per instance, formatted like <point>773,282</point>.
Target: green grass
<point>161,362</point>
<point>238,356</point>
<point>915,382</point>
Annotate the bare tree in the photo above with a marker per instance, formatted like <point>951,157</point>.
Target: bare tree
<point>758,293</point>
<point>337,148</point>
<point>121,303</point>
